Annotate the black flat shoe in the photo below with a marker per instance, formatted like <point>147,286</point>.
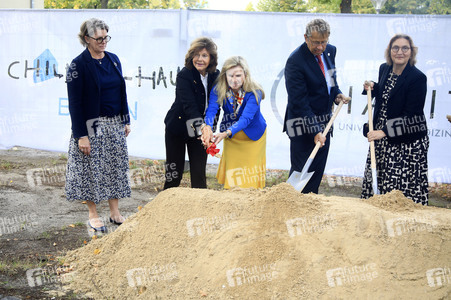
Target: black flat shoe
<point>114,222</point>
<point>101,229</point>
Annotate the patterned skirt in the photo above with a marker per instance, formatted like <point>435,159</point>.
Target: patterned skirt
<point>243,162</point>
<point>400,167</point>
<point>104,174</point>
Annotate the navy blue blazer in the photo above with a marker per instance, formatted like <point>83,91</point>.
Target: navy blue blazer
<point>189,105</point>
<point>406,121</point>
<point>249,117</point>
<point>83,90</point>
<point>308,96</point>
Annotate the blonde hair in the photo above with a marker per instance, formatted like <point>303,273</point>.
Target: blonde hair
<point>413,49</point>
<point>89,28</point>
<point>198,45</point>
<point>249,85</point>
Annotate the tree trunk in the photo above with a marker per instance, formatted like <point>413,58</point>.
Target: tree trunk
<point>104,4</point>
<point>345,7</point>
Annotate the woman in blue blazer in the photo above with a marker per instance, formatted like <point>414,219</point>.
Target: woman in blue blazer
<point>400,130</point>
<point>243,127</point>
<point>97,166</point>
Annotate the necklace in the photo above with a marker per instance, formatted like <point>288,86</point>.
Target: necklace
<point>99,60</point>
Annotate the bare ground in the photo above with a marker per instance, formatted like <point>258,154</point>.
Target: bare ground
<point>38,225</point>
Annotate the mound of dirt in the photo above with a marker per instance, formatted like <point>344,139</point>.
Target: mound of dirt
<point>393,201</point>
<point>274,243</point>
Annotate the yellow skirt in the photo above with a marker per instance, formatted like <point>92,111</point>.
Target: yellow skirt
<point>243,162</point>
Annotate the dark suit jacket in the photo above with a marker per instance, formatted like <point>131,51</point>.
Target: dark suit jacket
<point>189,105</point>
<point>406,121</point>
<point>307,89</point>
<point>83,90</point>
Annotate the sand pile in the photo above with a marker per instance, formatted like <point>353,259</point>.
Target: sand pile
<point>270,244</point>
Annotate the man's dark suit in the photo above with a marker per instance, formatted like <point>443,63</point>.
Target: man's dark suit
<point>188,109</point>
<point>309,109</point>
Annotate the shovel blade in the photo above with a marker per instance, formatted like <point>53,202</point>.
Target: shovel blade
<point>300,179</point>
<point>375,189</point>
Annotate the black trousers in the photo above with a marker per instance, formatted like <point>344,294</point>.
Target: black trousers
<point>175,161</point>
<point>300,149</point>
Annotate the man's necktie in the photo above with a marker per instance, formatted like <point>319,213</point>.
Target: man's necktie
<point>320,62</point>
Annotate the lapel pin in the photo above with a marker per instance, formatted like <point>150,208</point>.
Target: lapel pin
<point>115,64</point>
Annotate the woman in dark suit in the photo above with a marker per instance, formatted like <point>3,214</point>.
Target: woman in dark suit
<point>97,165</point>
<point>400,130</point>
<point>183,120</point>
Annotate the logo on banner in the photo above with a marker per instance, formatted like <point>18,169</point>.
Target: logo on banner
<point>45,67</point>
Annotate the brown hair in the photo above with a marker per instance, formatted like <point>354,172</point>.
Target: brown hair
<point>413,49</point>
<point>196,46</point>
<point>89,28</point>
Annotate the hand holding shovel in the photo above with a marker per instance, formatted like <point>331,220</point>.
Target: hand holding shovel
<point>370,127</point>
<point>300,179</point>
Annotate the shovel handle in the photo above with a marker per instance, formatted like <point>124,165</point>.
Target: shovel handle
<point>370,127</point>
<point>326,130</point>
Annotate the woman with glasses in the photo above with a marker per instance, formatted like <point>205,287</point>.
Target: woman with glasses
<point>97,164</point>
<point>400,131</point>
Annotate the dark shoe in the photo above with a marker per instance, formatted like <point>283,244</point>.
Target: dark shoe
<point>114,222</point>
<point>101,229</point>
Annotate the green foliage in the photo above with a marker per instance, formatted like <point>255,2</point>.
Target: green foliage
<point>198,4</point>
<point>440,7</point>
<point>125,4</point>
<point>250,7</point>
<point>282,5</point>
<point>363,7</point>
<point>358,6</point>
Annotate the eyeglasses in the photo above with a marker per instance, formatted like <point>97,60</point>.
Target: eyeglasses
<point>404,49</point>
<point>316,43</point>
<point>100,40</point>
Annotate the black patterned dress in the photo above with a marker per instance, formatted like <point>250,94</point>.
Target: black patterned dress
<point>399,166</point>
